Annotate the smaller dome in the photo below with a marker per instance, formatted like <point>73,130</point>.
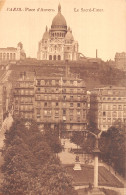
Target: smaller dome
<point>46,34</point>
<point>20,45</point>
<point>69,35</point>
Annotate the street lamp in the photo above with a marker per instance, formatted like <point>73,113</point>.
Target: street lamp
<point>96,152</point>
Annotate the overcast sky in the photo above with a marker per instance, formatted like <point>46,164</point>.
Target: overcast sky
<point>103,28</point>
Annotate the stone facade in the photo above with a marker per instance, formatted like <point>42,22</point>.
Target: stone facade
<point>58,42</point>
<point>120,61</point>
<point>108,105</point>
<point>52,100</point>
<point>12,54</point>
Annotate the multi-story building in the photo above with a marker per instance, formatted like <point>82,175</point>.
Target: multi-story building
<point>61,99</point>
<point>24,96</point>
<point>52,100</point>
<point>12,53</point>
<point>108,105</point>
<point>58,43</point>
<point>5,94</point>
<point>1,105</point>
<point>120,61</point>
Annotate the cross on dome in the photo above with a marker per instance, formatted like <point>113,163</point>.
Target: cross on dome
<point>59,8</point>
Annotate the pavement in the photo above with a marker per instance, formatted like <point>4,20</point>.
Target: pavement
<point>68,157</point>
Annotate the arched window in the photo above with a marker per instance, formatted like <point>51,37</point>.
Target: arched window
<point>59,57</point>
<point>4,56</point>
<point>50,57</point>
<point>7,56</point>
<point>54,57</point>
<point>14,56</point>
<point>11,56</point>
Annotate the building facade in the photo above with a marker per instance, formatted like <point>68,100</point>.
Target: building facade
<point>5,96</point>
<point>58,42</point>
<point>108,105</point>
<point>12,54</point>
<point>23,96</point>
<point>52,100</point>
<point>120,61</point>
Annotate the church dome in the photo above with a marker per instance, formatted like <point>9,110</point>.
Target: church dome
<point>59,20</point>
<point>69,35</point>
<point>46,34</point>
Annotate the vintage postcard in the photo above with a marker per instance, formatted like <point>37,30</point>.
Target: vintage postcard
<point>62,97</point>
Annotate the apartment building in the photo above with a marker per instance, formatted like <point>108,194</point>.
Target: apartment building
<point>52,100</point>
<point>61,99</point>
<point>108,105</point>
<point>23,95</point>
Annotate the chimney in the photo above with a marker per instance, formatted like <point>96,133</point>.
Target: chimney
<point>96,53</point>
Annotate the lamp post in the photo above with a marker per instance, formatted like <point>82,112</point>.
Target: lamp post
<point>96,152</point>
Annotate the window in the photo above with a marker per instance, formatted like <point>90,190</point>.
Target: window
<point>45,97</point>
<point>104,120</point>
<point>38,89</point>
<point>45,112</point>
<point>49,112</point>
<point>120,107</point>
<point>64,90</point>
<point>56,97</point>
<point>71,104</point>
<point>50,97</point>
<point>119,114</point>
<point>109,120</point>
<point>71,118</point>
<point>78,112</point>
<point>57,103</point>
<point>71,97</point>
<point>57,114</point>
<point>78,97</point>
<point>64,112</point>
<point>124,107</point>
<point>45,104</point>
<point>114,114</point>
<point>78,104</point>
<point>104,113</point>
<point>38,103</point>
<point>114,107</point>
<point>38,113</point>
<point>78,119</point>
<point>22,99</point>
<point>64,97</point>
<point>39,83</point>
<point>38,97</point>
<point>71,90</point>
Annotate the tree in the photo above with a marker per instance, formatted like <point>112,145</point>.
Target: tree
<point>112,146</point>
<point>77,138</point>
<point>30,165</point>
<point>52,138</point>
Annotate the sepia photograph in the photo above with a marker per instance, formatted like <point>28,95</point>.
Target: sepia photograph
<point>63,97</point>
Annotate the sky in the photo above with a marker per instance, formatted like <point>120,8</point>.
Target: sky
<point>95,24</point>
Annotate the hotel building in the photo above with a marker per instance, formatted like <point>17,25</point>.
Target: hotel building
<point>108,105</point>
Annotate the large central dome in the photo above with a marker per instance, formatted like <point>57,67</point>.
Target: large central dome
<point>59,21</point>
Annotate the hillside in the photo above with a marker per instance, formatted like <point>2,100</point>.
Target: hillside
<point>94,74</point>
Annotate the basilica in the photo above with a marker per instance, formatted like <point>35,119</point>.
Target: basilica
<point>58,42</point>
